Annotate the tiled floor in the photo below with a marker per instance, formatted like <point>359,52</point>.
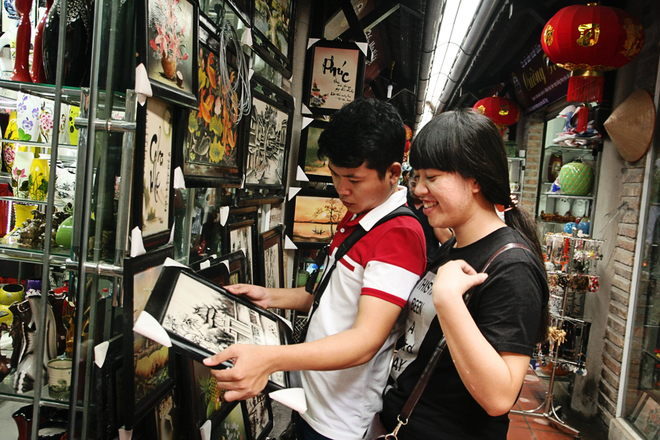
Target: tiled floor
<point>526,427</point>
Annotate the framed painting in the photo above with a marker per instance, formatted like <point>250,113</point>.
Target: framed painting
<point>233,426</point>
<point>647,416</point>
<point>314,216</point>
<point>271,263</point>
<point>273,29</point>
<point>224,271</point>
<point>259,414</point>
<point>153,197</point>
<point>169,418</point>
<point>334,75</point>
<point>268,137</point>
<point>170,49</point>
<point>316,169</point>
<point>212,152</point>
<point>152,374</point>
<point>206,323</point>
<point>204,400</point>
<point>242,236</point>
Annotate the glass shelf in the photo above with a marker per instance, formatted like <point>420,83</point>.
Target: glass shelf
<point>23,201</point>
<point>21,252</point>
<point>7,393</point>
<point>37,144</point>
<point>566,196</point>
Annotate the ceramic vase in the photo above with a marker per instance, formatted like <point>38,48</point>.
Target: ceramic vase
<point>65,185</point>
<point>64,233</point>
<point>63,135</point>
<point>38,179</point>
<point>74,111</point>
<point>23,40</point>
<point>554,166</point>
<point>27,116</point>
<point>46,112</point>
<point>37,72</point>
<point>11,9</point>
<point>8,148</point>
<point>20,174</point>
<point>78,45</point>
<point>23,213</point>
<point>11,293</point>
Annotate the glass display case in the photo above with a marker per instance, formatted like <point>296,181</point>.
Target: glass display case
<point>562,207</point>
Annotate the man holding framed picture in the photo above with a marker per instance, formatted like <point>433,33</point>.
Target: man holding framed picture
<point>344,359</point>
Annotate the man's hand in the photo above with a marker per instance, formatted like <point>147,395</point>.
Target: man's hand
<point>249,375</point>
<point>257,294</point>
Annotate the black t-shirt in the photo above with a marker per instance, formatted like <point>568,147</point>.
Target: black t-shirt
<point>432,243</point>
<point>507,308</point>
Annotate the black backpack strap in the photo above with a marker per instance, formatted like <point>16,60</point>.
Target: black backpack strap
<point>342,250</point>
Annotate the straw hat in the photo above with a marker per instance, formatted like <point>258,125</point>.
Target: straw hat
<point>631,125</point>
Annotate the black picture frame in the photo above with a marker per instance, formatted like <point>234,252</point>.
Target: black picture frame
<point>168,420</point>
<point>242,234</point>
<point>273,31</point>
<point>204,401</point>
<point>334,75</point>
<point>153,197</point>
<point>225,270</point>
<point>206,323</point>
<point>270,267</point>
<point>315,169</point>
<point>110,385</point>
<point>312,217</point>
<point>212,153</point>
<point>151,373</point>
<point>179,18</point>
<point>268,138</point>
<point>258,413</point>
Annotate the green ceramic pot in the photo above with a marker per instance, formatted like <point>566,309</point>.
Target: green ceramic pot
<point>64,232</point>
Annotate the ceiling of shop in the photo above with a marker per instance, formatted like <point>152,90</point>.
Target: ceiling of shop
<point>400,27</point>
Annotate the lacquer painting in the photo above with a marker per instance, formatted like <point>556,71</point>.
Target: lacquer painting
<point>273,19</point>
<point>316,218</point>
<point>266,146</point>
<point>171,47</point>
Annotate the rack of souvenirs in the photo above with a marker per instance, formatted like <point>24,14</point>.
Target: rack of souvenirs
<point>571,264</point>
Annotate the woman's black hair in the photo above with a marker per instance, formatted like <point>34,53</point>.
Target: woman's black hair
<point>469,144</point>
<point>366,131</point>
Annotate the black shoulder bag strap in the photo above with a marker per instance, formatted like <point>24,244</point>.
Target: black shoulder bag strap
<point>416,393</point>
<point>342,250</point>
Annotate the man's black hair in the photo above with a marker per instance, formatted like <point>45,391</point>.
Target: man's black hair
<point>365,131</point>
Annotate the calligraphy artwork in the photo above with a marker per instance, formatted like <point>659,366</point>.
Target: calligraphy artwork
<point>265,162</point>
<point>336,75</point>
<point>153,205</point>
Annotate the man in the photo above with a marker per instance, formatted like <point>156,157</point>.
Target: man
<point>434,236</point>
<point>345,358</point>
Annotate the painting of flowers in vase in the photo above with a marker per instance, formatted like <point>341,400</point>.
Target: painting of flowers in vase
<point>171,26</point>
<point>211,144</point>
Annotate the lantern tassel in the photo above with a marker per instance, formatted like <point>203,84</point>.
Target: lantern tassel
<point>585,88</point>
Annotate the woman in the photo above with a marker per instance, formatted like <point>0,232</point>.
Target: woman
<point>463,182</point>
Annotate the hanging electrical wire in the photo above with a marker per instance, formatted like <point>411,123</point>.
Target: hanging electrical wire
<point>236,91</point>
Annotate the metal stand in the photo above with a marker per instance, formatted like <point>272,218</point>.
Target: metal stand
<point>547,409</point>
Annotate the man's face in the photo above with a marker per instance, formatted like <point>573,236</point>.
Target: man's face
<point>362,189</point>
<point>412,184</point>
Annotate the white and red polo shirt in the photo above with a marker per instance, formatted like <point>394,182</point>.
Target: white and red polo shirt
<point>386,263</point>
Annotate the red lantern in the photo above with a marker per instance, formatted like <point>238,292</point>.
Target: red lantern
<point>502,111</point>
<point>589,40</point>
<point>406,151</point>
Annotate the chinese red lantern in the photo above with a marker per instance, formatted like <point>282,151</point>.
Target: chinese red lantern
<point>408,143</point>
<point>590,40</point>
<point>502,111</point>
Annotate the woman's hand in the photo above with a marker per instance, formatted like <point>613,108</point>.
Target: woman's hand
<point>453,279</point>
<point>257,294</point>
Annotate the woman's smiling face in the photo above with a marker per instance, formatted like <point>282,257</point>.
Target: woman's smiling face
<point>448,197</point>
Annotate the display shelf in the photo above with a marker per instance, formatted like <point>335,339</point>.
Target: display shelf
<point>566,196</point>
<point>24,201</point>
<point>7,393</point>
<point>19,252</point>
<point>38,144</point>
